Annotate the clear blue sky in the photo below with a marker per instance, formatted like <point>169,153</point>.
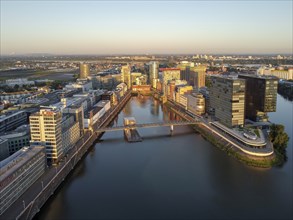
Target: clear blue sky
<point>107,27</point>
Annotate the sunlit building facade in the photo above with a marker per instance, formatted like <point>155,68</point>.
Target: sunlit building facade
<point>46,131</point>
<point>125,75</point>
<point>169,74</point>
<point>227,98</point>
<point>153,72</point>
<point>84,70</point>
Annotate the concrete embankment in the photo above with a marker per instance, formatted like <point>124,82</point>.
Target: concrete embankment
<point>221,143</point>
<point>35,197</point>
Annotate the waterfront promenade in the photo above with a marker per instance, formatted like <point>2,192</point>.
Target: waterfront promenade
<point>226,139</point>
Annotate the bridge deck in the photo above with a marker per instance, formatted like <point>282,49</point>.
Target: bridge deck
<point>147,125</point>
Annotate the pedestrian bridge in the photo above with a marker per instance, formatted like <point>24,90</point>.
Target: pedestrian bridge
<point>148,125</point>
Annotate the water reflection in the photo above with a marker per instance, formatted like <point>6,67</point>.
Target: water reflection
<point>169,177</point>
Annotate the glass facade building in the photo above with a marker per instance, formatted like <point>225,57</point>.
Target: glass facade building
<point>227,98</point>
<point>261,96</point>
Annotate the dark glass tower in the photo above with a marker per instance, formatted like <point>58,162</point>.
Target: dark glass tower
<point>261,96</point>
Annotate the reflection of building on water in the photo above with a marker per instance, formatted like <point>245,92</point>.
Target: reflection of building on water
<point>155,107</point>
<point>142,100</point>
<point>127,110</point>
<point>116,120</point>
<point>166,113</point>
<point>173,116</point>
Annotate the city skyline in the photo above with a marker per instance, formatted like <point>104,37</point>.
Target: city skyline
<point>148,27</point>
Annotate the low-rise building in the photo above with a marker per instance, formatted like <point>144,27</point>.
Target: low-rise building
<point>280,73</point>
<point>18,172</point>
<point>183,101</point>
<point>96,113</point>
<point>12,120</point>
<point>196,103</point>
<point>111,96</point>
<point>182,90</point>
<point>17,139</point>
<point>141,88</point>
<point>19,81</point>
<point>83,85</point>
<point>70,132</point>
<point>4,150</point>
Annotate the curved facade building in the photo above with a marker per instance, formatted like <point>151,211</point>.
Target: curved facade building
<point>196,103</point>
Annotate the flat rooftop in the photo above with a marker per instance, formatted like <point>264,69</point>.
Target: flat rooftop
<point>18,159</point>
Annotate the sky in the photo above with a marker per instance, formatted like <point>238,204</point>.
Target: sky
<point>146,27</point>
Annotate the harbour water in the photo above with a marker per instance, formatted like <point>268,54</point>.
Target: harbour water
<point>171,177</point>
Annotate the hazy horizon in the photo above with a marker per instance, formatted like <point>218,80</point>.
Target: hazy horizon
<point>147,27</point>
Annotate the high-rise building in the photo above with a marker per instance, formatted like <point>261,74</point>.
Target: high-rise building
<point>46,131</point>
<point>260,96</point>
<point>169,74</point>
<point>153,72</point>
<point>126,76</point>
<point>84,70</point>
<point>227,98</point>
<point>197,79</point>
<point>197,76</point>
<point>185,68</point>
<point>57,129</point>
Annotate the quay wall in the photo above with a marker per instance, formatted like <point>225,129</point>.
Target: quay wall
<point>90,138</point>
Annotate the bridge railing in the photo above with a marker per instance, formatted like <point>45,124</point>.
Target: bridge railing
<point>147,125</point>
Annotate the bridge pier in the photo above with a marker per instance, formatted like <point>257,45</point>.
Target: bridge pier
<point>171,129</point>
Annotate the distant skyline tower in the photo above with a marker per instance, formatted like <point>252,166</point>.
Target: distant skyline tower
<point>126,76</point>
<point>153,72</point>
<point>84,70</point>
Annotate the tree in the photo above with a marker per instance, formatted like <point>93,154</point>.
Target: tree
<point>16,87</point>
<point>57,84</point>
<point>208,82</point>
<point>279,138</point>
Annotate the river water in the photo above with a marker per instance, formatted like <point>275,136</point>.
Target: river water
<point>171,177</point>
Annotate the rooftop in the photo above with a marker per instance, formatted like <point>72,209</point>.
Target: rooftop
<point>258,76</point>
<point>9,115</point>
<point>168,69</point>
<point>18,159</point>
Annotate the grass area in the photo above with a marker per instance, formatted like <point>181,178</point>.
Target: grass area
<point>37,74</point>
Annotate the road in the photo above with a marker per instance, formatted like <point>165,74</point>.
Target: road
<point>41,183</point>
<point>237,145</point>
<point>45,184</point>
